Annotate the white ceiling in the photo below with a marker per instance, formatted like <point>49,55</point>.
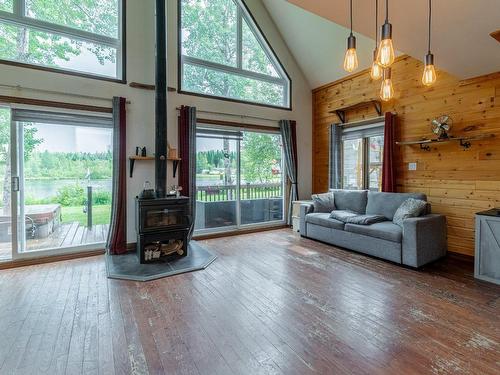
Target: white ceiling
<point>317,44</point>
<point>460,42</point>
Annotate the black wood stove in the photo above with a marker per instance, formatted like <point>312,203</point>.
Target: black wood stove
<point>162,223</point>
<point>162,226</point>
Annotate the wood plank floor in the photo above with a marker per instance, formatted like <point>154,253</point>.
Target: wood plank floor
<point>272,303</point>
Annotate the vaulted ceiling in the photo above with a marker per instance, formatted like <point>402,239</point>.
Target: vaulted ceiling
<point>316,33</point>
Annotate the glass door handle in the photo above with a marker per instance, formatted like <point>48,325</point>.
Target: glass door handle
<point>15,183</point>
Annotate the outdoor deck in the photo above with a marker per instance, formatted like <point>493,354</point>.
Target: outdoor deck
<point>66,235</point>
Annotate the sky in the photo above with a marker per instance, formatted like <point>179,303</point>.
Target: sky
<point>66,138</point>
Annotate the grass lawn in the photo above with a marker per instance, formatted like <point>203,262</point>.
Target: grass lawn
<point>100,214</point>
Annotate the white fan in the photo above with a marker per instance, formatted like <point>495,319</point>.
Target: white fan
<point>441,126</point>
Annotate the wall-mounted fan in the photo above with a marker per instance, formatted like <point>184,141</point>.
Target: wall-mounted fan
<point>441,126</point>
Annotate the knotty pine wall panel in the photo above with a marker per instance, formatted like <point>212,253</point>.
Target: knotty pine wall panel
<point>457,182</point>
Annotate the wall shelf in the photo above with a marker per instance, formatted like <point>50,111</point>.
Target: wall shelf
<point>465,142</point>
<point>340,112</point>
<point>175,164</point>
<point>133,159</point>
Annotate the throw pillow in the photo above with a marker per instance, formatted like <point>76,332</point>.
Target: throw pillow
<point>409,208</point>
<point>323,203</point>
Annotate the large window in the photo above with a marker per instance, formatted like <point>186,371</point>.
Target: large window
<point>239,178</point>
<point>82,36</point>
<point>224,54</point>
<point>362,151</point>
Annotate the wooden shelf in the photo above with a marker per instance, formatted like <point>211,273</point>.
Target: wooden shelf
<point>465,142</point>
<point>340,112</point>
<point>134,158</point>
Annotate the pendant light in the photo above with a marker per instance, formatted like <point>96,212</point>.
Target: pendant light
<point>429,76</point>
<point>351,58</point>
<point>385,55</point>
<point>387,90</point>
<point>376,70</point>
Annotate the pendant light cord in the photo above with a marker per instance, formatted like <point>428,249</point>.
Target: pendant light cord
<point>387,11</point>
<point>430,18</point>
<point>351,16</point>
<point>376,23</point>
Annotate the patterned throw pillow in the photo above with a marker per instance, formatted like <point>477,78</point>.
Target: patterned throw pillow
<point>323,203</point>
<point>409,208</point>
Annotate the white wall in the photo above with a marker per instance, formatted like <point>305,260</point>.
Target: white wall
<point>140,112</point>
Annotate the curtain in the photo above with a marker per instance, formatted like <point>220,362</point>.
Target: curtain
<point>335,157</point>
<point>187,153</point>
<point>289,135</point>
<point>117,235</point>
<point>388,171</point>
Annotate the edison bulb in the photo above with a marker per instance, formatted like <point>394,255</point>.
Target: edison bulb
<point>429,76</point>
<point>385,55</point>
<point>376,71</point>
<point>350,60</point>
<point>387,90</point>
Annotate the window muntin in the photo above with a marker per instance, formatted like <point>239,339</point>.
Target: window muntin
<point>64,35</point>
<point>226,56</point>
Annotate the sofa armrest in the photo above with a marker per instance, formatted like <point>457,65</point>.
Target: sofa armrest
<point>424,239</point>
<point>304,210</point>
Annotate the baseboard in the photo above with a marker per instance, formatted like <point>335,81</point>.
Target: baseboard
<point>238,232</point>
<point>50,259</point>
<point>462,257</point>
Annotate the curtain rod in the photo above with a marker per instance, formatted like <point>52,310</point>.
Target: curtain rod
<point>233,114</point>
<point>19,87</point>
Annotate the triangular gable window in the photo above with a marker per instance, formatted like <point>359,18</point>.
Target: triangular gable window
<point>224,54</point>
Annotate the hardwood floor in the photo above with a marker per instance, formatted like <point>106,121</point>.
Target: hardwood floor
<point>272,303</point>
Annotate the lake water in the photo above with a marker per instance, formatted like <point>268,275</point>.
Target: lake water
<point>41,189</point>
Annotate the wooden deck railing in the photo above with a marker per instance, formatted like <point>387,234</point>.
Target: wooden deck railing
<point>215,193</point>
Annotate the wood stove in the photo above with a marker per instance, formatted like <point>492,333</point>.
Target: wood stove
<point>162,226</point>
<point>162,223</point>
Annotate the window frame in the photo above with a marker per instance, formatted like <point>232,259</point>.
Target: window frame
<point>18,18</point>
<point>363,132</point>
<point>243,13</point>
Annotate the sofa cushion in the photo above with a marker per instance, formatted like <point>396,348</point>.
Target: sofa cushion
<point>387,203</point>
<point>385,230</point>
<point>323,202</point>
<point>351,200</point>
<point>409,208</point>
<point>323,219</point>
<point>354,218</point>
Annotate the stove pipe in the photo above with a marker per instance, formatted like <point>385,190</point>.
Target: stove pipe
<point>160,101</point>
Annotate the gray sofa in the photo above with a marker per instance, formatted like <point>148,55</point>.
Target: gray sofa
<point>421,240</point>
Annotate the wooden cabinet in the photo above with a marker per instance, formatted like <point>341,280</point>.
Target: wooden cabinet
<point>487,256</point>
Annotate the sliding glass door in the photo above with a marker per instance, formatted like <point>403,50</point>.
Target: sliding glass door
<point>239,179</point>
<point>58,190</point>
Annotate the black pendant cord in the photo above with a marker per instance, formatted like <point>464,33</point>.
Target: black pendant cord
<point>376,23</point>
<point>386,11</point>
<point>351,15</point>
<point>430,20</point>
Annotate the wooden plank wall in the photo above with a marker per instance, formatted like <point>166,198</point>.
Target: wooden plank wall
<point>457,182</point>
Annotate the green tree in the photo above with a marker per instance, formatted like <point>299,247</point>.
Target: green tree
<point>30,143</point>
<point>261,153</point>
<point>37,47</point>
<point>209,33</point>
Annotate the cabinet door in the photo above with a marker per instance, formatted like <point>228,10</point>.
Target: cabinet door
<point>488,262</point>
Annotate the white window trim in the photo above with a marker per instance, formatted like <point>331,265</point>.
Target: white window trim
<point>19,18</point>
<point>242,14</point>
